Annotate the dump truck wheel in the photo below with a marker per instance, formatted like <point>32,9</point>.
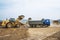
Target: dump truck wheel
<point>9,25</point>
<point>45,26</point>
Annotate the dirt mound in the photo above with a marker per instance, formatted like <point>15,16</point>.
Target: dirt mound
<point>13,33</point>
<point>55,36</point>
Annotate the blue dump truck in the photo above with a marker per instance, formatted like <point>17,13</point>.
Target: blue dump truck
<point>39,23</point>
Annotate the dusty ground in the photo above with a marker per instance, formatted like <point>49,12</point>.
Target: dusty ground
<point>41,33</point>
<point>55,36</point>
<point>34,33</point>
<point>13,33</point>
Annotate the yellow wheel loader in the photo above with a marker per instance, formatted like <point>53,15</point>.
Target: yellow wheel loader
<point>11,23</point>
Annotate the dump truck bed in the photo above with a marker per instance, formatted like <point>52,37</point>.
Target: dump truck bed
<point>35,22</point>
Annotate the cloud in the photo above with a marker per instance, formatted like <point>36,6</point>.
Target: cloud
<point>11,8</point>
<point>42,9</point>
<point>30,8</point>
<point>6,4</point>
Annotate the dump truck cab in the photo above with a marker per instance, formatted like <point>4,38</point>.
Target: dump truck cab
<point>46,22</point>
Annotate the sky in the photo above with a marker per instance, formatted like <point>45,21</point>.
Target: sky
<point>36,9</point>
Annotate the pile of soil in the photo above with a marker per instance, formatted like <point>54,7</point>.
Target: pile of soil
<point>55,36</point>
<point>13,33</point>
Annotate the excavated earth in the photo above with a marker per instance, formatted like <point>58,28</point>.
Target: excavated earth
<point>13,33</point>
<point>49,33</point>
<point>55,36</point>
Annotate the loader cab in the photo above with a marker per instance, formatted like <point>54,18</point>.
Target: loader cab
<point>12,20</point>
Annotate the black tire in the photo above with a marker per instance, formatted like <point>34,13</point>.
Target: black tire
<point>9,25</point>
<point>17,25</point>
<point>31,26</point>
<point>45,26</point>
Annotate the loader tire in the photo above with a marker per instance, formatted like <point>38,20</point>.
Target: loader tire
<point>17,25</point>
<point>9,25</point>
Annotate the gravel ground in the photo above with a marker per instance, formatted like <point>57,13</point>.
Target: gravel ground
<point>13,33</point>
<point>55,36</point>
<point>29,34</point>
<point>42,33</point>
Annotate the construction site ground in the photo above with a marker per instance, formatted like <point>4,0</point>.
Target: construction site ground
<point>49,33</point>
